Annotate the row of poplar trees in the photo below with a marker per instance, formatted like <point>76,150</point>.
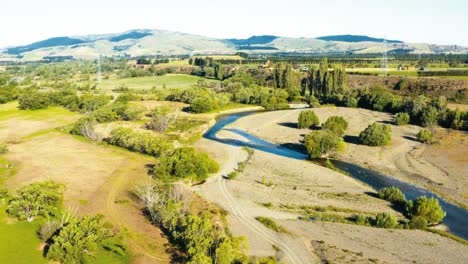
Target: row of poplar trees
<point>321,81</point>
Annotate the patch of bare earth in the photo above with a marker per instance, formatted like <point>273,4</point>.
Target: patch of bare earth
<point>342,243</point>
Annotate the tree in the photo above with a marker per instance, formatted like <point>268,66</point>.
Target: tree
<point>429,117</point>
<point>376,135</point>
<point>402,119</point>
<point>161,118</point>
<point>322,143</point>
<point>392,194</point>
<point>77,240</point>
<point>307,119</point>
<point>424,136</point>
<point>428,208</point>
<point>336,124</point>
<point>386,220</point>
<point>42,198</point>
<point>186,162</point>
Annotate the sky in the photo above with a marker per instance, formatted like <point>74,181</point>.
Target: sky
<point>417,21</point>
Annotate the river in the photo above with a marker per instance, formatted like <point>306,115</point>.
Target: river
<point>456,219</point>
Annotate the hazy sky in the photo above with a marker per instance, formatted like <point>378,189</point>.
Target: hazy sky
<point>430,21</point>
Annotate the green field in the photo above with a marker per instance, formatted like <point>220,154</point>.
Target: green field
<point>19,242</point>
<point>145,83</point>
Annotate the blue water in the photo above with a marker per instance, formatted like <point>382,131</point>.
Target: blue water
<point>456,219</point>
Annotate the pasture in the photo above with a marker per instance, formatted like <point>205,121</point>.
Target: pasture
<point>98,179</point>
<point>145,83</point>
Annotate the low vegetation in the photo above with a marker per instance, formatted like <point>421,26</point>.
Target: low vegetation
<point>424,136</point>
<point>392,194</point>
<point>386,220</point>
<point>202,237</point>
<point>323,143</point>
<point>336,124</point>
<point>402,119</point>
<point>271,224</point>
<point>376,135</point>
<point>139,142</point>
<point>183,163</point>
<point>427,209</point>
<point>307,119</point>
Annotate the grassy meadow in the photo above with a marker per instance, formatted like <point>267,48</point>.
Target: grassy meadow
<point>148,82</point>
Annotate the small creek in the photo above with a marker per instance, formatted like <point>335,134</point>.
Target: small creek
<point>456,219</point>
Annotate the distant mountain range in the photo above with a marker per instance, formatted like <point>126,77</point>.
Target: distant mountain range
<point>144,42</point>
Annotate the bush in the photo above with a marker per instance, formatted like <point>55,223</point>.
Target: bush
<point>268,222</point>
<point>322,143</point>
<point>43,198</point>
<point>429,117</point>
<point>418,222</point>
<point>186,162</point>
<point>402,85</point>
<point>307,119</point>
<point>203,105</point>
<point>363,220</point>
<point>105,114</point>
<point>386,220</point>
<point>376,135</point>
<point>133,112</point>
<point>3,148</point>
<point>33,101</point>
<point>139,142</point>
<point>392,194</point>
<point>402,119</point>
<point>427,208</point>
<point>336,124</point>
<point>424,136</point>
<point>85,127</point>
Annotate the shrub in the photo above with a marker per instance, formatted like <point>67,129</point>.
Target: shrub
<point>268,222</point>
<point>43,198</point>
<point>161,119</point>
<point>429,117</point>
<point>363,220</point>
<point>427,208</point>
<point>424,136</point>
<point>33,101</point>
<point>392,194</point>
<point>402,119</point>
<point>336,124</point>
<point>402,85</point>
<point>3,148</point>
<point>418,222</point>
<point>85,127</point>
<point>133,112</point>
<point>307,119</point>
<point>186,162</point>
<point>105,114</point>
<point>386,220</point>
<point>139,142</point>
<point>203,105</point>
<point>376,135</point>
<point>322,143</point>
